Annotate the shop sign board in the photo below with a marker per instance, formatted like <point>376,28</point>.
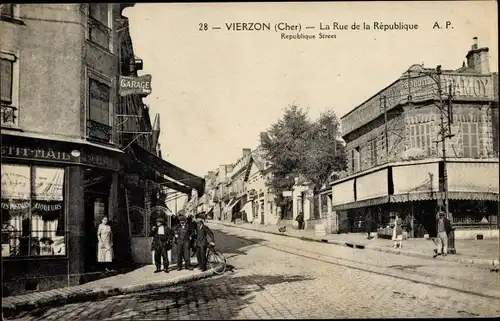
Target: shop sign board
<point>130,85</point>
<point>64,156</point>
<point>421,88</point>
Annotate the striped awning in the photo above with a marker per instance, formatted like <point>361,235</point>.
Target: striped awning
<point>462,196</point>
<point>365,203</point>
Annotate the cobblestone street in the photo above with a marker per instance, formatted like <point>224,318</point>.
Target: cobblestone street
<point>279,277</point>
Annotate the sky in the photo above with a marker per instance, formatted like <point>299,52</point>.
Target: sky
<point>216,90</point>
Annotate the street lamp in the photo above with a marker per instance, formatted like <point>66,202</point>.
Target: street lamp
<point>445,132</point>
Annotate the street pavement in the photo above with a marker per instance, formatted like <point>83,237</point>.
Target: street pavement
<point>272,276</point>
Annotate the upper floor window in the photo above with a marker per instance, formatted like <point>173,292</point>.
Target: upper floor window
<point>7,69</point>
<point>420,137</point>
<point>356,156</point>
<point>469,139</point>
<point>10,13</point>
<point>99,11</point>
<point>7,10</point>
<point>99,95</point>
<point>100,24</point>
<point>98,114</point>
<point>373,151</point>
<point>9,76</point>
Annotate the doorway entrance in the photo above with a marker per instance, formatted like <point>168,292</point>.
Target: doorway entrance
<point>97,188</point>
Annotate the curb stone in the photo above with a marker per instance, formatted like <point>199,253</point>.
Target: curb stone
<point>82,295</point>
<point>354,245</point>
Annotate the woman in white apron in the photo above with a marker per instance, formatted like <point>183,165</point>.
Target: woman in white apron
<point>105,244</point>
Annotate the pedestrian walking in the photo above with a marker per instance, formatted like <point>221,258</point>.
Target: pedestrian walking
<point>204,238</point>
<point>443,230</point>
<point>369,225</point>
<point>105,244</point>
<point>183,235</point>
<point>161,244</point>
<point>397,234</point>
<point>300,220</point>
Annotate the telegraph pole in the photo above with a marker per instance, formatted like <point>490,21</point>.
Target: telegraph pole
<point>445,133</point>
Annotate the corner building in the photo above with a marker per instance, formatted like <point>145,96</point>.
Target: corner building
<point>401,173</point>
<point>64,161</point>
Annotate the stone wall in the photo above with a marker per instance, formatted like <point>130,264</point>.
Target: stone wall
<point>376,136</point>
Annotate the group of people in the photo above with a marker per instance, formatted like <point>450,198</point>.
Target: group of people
<point>443,226</point>
<point>189,235</point>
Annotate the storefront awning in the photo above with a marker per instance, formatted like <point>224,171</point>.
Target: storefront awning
<point>180,179</point>
<point>459,196</point>
<point>478,177</point>
<point>422,180</point>
<point>365,203</point>
<point>372,185</point>
<point>230,208</point>
<point>343,193</point>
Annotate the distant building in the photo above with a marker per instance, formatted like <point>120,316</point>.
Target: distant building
<point>401,174</point>
<point>261,207</point>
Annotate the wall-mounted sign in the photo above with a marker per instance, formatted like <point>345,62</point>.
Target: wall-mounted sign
<point>65,156</point>
<point>421,88</point>
<point>135,85</point>
<point>287,193</point>
<point>37,153</point>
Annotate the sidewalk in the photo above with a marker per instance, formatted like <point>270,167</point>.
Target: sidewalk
<point>482,252</point>
<point>138,280</point>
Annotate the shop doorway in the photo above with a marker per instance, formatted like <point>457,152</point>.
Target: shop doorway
<point>97,188</point>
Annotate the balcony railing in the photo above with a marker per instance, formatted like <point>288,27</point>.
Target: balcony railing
<point>98,131</point>
<point>99,33</point>
<point>8,115</point>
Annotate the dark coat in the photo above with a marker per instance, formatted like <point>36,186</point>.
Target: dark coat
<point>204,236</point>
<point>184,235</point>
<point>369,223</point>
<point>447,226</point>
<point>161,240</point>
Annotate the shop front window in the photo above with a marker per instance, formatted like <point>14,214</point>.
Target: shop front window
<point>33,216</point>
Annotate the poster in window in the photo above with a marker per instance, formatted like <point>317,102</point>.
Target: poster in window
<point>15,182</point>
<point>48,184</point>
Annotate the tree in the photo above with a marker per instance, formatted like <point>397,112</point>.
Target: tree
<point>299,147</point>
<point>284,148</point>
<point>325,153</point>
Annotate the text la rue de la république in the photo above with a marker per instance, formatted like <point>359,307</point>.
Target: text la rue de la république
<point>300,31</point>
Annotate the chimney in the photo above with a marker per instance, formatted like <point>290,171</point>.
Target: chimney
<point>475,44</point>
<point>246,151</point>
<point>478,58</point>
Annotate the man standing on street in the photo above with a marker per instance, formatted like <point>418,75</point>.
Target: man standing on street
<point>300,221</point>
<point>443,230</point>
<point>183,235</point>
<point>162,243</point>
<point>368,224</point>
<point>191,222</point>
<point>204,238</point>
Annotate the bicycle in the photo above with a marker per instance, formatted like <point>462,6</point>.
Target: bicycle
<point>215,259</point>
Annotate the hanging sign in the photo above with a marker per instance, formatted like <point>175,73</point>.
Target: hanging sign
<point>135,85</point>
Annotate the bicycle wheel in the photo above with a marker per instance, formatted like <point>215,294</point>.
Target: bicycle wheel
<point>217,262</point>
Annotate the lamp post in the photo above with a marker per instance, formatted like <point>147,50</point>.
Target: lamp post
<point>445,132</point>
